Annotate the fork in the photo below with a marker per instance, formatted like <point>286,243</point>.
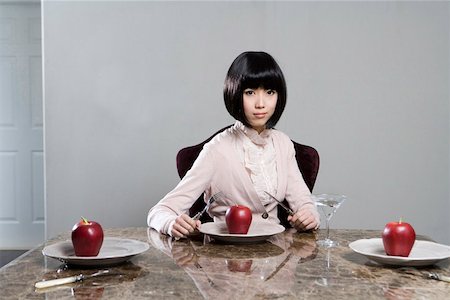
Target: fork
<point>211,200</point>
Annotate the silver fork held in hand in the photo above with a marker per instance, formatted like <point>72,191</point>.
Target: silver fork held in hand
<point>211,200</point>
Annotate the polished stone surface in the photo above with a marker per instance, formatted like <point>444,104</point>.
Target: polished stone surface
<point>290,266</point>
<point>8,255</point>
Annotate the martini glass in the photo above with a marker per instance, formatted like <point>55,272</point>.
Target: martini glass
<point>325,279</point>
<point>329,203</point>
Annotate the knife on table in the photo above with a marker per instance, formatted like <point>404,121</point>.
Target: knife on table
<point>289,211</point>
<point>66,280</point>
<point>437,276</point>
<point>425,274</point>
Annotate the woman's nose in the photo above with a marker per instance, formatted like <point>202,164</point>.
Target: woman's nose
<point>260,101</point>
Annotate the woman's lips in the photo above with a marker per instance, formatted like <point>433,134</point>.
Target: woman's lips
<point>259,115</point>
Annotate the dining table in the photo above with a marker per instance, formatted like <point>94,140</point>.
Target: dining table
<point>287,265</point>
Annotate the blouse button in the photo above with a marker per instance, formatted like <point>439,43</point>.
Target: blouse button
<point>265,215</point>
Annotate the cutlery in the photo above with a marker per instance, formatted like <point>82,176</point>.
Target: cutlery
<point>289,211</point>
<point>199,267</point>
<point>436,276</point>
<point>71,279</point>
<point>428,275</point>
<point>279,267</point>
<point>210,281</point>
<point>211,200</point>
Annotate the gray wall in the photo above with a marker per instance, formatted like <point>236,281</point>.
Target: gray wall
<point>129,84</point>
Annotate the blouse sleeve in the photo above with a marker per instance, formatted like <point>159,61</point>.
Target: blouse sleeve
<point>182,197</point>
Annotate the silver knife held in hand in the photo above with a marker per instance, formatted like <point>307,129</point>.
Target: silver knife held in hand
<point>289,211</point>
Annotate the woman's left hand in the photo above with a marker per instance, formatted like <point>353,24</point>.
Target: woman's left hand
<point>303,219</point>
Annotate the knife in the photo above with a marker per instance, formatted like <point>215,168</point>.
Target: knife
<point>425,274</point>
<point>289,211</point>
<point>437,276</point>
<point>66,280</point>
<point>279,267</point>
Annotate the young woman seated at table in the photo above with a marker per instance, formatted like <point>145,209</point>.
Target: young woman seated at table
<point>244,161</point>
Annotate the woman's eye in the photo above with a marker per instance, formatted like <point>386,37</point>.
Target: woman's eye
<point>271,92</point>
<point>248,92</point>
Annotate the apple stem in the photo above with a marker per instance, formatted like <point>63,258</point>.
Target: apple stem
<point>85,220</point>
<point>400,222</point>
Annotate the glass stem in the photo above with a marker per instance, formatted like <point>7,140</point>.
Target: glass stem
<point>327,221</point>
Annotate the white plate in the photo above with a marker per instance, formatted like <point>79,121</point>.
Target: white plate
<point>113,251</point>
<point>423,253</point>
<point>258,232</point>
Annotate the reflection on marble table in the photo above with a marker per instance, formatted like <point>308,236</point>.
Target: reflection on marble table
<point>289,265</point>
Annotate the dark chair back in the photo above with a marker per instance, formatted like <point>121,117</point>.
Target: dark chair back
<point>307,160</point>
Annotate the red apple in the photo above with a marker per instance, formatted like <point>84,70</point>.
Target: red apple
<point>398,238</point>
<point>238,219</point>
<point>239,265</point>
<point>87,238</point>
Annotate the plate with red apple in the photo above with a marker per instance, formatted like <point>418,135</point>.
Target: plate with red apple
<point>88,247</point>
<point>239,227</point>
<point>113,251</point>
<point>423,253</point>
<point>259,231</point>
<point>398,246</point>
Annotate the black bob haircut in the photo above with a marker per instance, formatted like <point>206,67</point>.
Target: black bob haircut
<point>253,70</point>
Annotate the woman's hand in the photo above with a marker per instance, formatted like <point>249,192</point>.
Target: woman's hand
<point>304,246</point>
<point>183,253</point>
<point>303,219</point>
<point>184,226</point>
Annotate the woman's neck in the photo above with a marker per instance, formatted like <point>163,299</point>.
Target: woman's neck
<point>259,129</point>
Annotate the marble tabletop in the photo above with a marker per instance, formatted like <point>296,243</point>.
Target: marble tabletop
<point>288,266</point>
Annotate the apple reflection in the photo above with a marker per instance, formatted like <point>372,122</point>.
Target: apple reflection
<point>239,265</point>
<point>243,271</point>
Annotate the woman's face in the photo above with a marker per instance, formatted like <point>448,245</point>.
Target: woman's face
<point>259,106</point>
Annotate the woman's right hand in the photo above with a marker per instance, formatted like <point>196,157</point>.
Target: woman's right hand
<point>184,226</point>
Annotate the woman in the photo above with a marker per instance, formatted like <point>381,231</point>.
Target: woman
<point>244,161</point>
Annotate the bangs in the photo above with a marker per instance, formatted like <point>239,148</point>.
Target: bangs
<point>267,79</point>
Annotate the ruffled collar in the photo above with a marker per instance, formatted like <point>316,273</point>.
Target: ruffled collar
<point>260,139</point>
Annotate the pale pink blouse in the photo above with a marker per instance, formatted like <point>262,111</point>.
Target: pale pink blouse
<point>257,154</point>
<point>243,165</point>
